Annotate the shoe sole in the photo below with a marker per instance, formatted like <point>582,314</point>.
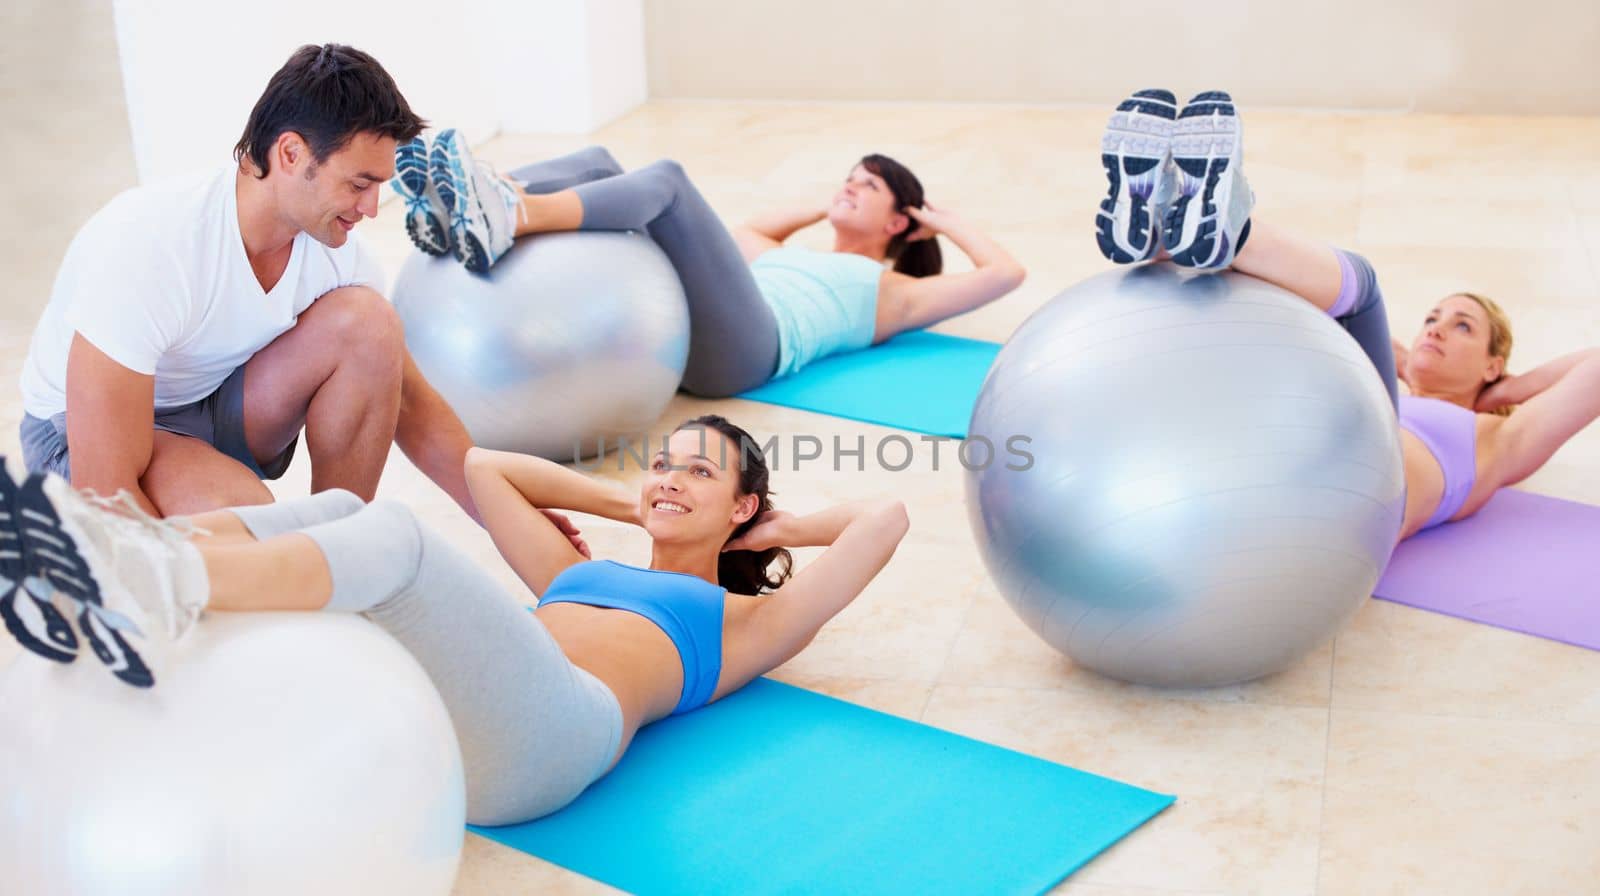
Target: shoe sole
<point>1134,146</point>
<point>36,624</point>
<point>450,165</point>
<point>50,550</point>
<point>1206,140</point>
<point>427,231</point>
<point>114,650</point>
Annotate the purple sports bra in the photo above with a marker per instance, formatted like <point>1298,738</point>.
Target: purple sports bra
<point>1450,433</point>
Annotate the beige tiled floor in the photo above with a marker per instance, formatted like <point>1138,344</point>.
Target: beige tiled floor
<point>1414,754</point>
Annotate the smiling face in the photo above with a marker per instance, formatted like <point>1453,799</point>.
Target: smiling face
<point>691,493</point>
<point>327,199</point>
<point>1452,352</point>
<point>865,205</point>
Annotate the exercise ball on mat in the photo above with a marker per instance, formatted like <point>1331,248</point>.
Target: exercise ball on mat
<point>571,339</point>
<point>1215,485</point>
<point>303,753</point>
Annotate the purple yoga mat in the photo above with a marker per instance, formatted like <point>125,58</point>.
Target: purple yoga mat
<point>1524,562</point>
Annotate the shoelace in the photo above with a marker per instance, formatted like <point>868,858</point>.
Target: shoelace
<point>510,194</point>
<point>506,191</point>
<point>412,200</point>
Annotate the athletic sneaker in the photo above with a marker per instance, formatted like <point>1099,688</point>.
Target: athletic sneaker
<point>1135,151</point>
<point>1210,220</point>
<point>63,565</point>
<point>152,560</point>
<point>34,621</point>
<point>135,583</point>
<point>484,207</point>
<point>427,216</point>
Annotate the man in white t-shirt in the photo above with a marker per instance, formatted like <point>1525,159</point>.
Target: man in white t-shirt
<point>198,325</point>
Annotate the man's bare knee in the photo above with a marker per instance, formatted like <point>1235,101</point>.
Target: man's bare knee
<point>356,319</point>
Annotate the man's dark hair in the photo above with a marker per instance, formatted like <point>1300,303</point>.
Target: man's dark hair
<point>327,95</point>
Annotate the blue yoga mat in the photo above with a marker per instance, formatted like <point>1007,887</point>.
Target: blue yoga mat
<point>919,381</point>
<point>776,789</point>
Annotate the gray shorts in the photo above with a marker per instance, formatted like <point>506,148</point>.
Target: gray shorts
<point>217,420</point>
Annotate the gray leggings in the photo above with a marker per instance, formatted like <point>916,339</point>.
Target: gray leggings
<point>733,336</point>
<point>1359,309</point>
<point>534,729</point>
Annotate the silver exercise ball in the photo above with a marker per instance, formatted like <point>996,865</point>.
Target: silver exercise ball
<point>571,339</point>
<point>1215,484</point>
<point>278,753</point>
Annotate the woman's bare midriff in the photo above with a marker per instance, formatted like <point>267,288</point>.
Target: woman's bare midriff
<point>1424,483</point>
<point>1425,478</point>
<point>631,655</point>
<point>628,653</point>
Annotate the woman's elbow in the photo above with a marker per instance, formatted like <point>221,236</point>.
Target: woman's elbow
<point>481,464</point>
<point>477,458</point>
<point>1008,275</point>
<point>892,518</point>
<point>1016,274</point>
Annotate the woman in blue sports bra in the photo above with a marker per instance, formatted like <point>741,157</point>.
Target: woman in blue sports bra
<point>544,702</point>
<point>757,309</point>
<point>1178,192</point>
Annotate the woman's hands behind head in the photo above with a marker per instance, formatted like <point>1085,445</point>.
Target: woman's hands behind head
<point>770,531</point>
<point>931,221</point>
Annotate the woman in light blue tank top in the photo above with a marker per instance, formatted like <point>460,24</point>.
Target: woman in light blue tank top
<point>758,309</point>
<point>1178,192</point>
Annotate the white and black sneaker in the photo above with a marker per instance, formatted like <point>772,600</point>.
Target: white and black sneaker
<point>1209,221</point>
<point>1135,150</point>
<point>32,618</point>
<point>154,559</point>
<point>63,566</point>
<point>135,583</point>
<point>150,561</point>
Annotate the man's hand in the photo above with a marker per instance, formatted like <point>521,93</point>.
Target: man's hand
<point>569,529</point>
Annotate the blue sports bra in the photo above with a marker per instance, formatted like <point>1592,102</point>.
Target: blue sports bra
<point>687,608</point>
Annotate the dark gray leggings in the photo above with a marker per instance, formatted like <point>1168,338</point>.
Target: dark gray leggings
<point>1361,313</point>
<point>733,336</point>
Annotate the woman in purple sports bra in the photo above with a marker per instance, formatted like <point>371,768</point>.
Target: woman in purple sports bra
<point>1178,192</point>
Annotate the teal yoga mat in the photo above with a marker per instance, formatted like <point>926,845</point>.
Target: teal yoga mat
<point>776,789</point>
<point>919,381</point>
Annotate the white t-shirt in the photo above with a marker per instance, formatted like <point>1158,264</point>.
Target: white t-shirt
<point>159,281</point>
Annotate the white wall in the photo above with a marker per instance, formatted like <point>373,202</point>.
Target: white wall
<point>1476,56</point>
<point>571,65</point>
<point>193,69</point>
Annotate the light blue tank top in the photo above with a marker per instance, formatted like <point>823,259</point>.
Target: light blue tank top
<point>825,302</point>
